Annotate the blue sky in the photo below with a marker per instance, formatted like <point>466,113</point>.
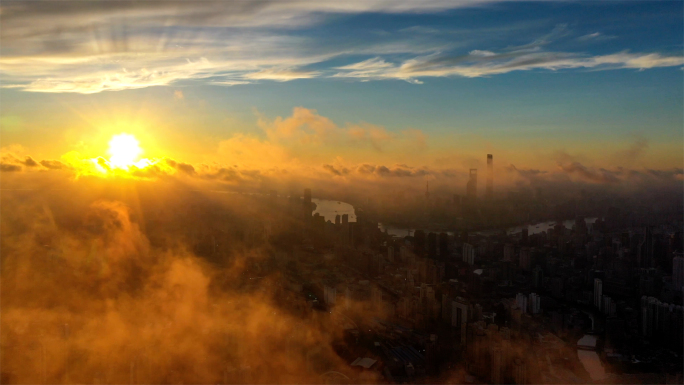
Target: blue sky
<point>551,74</point>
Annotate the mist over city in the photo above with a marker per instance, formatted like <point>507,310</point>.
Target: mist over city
<point>299,192</point>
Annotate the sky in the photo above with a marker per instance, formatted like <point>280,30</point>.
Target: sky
<point>311,87</point>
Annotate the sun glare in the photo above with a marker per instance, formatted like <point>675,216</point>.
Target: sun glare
<point>124,150</point>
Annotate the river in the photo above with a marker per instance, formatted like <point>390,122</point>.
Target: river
<point>329,209</point>
<point>531,229</point>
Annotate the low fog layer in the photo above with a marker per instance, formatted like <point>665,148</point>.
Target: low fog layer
<point>177,275</point>
<point>101,283</point>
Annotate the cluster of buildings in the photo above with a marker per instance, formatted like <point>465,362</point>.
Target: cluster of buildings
<point>491,305</point>
<point>478,294</point>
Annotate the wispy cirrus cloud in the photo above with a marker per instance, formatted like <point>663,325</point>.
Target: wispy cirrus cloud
<point>91,47</point>
<point>486,63</point>
<point>596,36</point>
<point>282,75</point>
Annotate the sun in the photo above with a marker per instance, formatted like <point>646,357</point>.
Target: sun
<point>124,150</point>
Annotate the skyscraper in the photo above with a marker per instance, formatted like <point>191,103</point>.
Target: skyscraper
<point>522,301</point>
<point>471,187</point>
<point>525,258</point>
<point>534,302</point>
<point>459,317</point>
<point>496,360</point>
<point>489,192</point>
<point>598,293</point>
<point>307,206</point>
<point>519,371</point>
<point>329,295</point>
<point>376,297</point>
<point>468,254</point>
<point>645,251</point>
<point>678,272</point>
<point>538,276</point>
<point>509,252</point>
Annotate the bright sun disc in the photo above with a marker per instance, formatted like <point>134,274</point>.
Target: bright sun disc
<point>124,150</point>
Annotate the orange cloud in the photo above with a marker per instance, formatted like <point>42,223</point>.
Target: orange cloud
<point>307,127</point>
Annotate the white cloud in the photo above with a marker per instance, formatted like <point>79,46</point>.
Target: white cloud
<point>477,52</point>
<point>493,64</point>
<point>589,36</point>
<point>281,75</point>
<point>90,47</point>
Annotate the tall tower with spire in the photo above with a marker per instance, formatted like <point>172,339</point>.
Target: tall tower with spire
<point>427,189</point>
<point>489,191</point>
<point>471,187</point>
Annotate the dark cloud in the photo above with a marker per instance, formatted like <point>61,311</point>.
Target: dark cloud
<point>401,171</point>
<point>221,173</point>
<point>331,169</point>
<point>53,164</point>
<point>600,175</point>
<point>29,162</point>
<point>184,167</point>
<point>365,169</point>
<point>102,162</point>
<point>8,167</point>
<point>525,173</point>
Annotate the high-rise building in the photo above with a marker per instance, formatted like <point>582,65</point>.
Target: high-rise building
<point>678,273</point>
<point>645,251</point>
<point>306,206</point>
<point>329,295</point>
<point>446,308</point>
<point>468,254</point>
<point>443,249</point>
<point>489,192</point>
<point>519,371</point>
<point>598,293</point>
<point>432,245</point>
<point>648,313</point>
<point>538,276</point>
<point>459,317</point>
<point>471,187</point>
<point>534,301</point>
<point>525,258</point>
<point>376,297</point>
<point>347,298</point>
<point>609,306</point>
<point>307,197</point>
<point>521,302</point>
<point>497,368</point>
<point>337,219</point>
<point>423,291</point>
<point>509,252</point>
